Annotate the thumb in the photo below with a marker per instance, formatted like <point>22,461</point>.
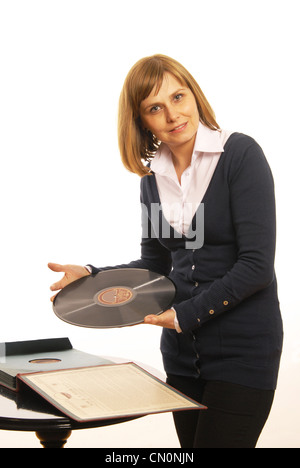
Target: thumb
<point>56,267</point>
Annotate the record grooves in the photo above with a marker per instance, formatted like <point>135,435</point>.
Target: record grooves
<point>114,298</point>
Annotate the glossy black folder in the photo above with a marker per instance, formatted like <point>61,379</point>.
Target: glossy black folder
<point>83,386</point>
<point>23,357</point>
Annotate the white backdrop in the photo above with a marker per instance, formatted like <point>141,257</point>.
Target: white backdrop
<point>64,192</point>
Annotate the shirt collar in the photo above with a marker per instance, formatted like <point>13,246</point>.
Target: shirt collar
<point>207,141</point>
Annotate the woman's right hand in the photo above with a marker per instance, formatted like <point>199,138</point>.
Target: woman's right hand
<point>72,273</point>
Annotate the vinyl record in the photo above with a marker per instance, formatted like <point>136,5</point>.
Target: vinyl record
<point>114,298</point>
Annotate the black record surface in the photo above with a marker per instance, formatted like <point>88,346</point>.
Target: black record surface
<point>114,298</point>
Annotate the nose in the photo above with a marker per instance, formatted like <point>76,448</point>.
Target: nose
<point>171,114</point>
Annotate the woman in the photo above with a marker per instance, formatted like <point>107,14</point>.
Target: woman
<point>221,341</point>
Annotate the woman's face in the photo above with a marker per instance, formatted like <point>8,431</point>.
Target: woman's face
<point>171,114</point>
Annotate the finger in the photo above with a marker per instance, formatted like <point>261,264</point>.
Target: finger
<point>57,286</point>
<point>53,297</point>
<point>151,319</point>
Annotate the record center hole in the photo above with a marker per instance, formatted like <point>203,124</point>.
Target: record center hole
<point>44,361</point>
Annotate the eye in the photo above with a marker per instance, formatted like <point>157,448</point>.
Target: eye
<point>154,109</point>
<point>178,97</point>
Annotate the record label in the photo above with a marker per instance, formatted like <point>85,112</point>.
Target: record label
<point>114,298</point>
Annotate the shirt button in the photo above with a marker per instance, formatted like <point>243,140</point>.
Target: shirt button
<point>211,312</point>
<point>193,267</point>
<point>196,285</point>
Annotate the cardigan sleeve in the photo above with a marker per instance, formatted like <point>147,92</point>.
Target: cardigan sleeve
<point>154,257</point>
<point>252,205</point>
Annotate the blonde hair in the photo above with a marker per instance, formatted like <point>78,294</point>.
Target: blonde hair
<point>137,146</point>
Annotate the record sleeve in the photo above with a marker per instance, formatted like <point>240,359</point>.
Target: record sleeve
<point>114,298</point>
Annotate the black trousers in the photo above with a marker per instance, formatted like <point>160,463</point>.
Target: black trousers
<point>235,416</point>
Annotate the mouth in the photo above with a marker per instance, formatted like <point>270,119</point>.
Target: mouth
<point>179,129</point>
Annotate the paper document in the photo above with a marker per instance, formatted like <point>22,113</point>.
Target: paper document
<point>107,391</point>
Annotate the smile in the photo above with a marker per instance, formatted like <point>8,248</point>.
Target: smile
<point>179,128</point>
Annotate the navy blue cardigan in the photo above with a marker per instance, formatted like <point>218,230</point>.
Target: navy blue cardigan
<point>226,304</point>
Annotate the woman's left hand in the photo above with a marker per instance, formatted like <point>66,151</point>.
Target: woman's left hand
<point>166,319</point>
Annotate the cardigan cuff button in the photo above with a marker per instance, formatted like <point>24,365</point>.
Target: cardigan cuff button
<point>211,312</point>
<point>225,303</point>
